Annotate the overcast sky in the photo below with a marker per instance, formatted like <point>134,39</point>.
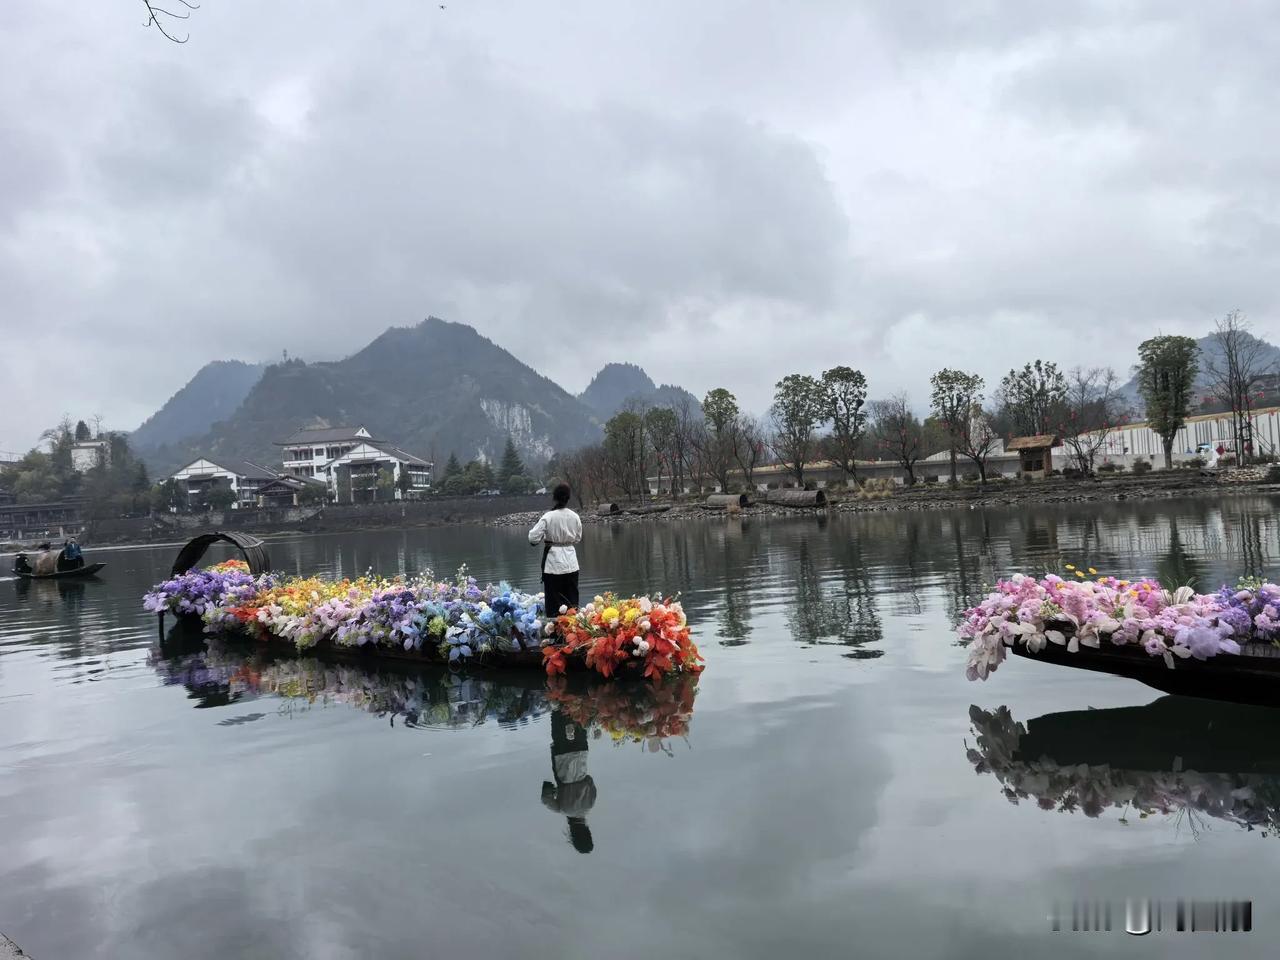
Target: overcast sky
<point>721,192</point>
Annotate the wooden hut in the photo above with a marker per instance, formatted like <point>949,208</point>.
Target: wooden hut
<point>1034,456</point>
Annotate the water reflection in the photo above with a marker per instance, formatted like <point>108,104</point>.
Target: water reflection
<point>1181,757</point>
<point>581,707</point>
<point>573,792</point>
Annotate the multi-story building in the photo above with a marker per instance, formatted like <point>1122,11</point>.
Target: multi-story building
<point>375,470</point>
<point>308,452</point>
<point>243,478</point>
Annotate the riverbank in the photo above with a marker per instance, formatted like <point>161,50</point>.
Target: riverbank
<point>518,511</point>
<point>1153,486</point>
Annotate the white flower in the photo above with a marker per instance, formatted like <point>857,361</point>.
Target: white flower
<point>644,626</point>
<point>563,608</point>
<point>550,629</point>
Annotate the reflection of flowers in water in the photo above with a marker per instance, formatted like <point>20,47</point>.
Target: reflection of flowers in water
<point>648,713</point>
<point>1248,800</point>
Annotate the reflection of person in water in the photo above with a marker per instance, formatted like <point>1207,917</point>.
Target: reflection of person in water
<point>574,792</point>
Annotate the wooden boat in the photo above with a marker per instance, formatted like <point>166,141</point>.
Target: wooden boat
<point>88,570</point>
<point>1252,676</point>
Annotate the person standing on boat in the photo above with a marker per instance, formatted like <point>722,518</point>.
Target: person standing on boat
<point>558,530</point>
<point>72,558</point>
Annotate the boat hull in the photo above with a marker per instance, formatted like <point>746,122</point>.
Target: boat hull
<point>1251,677</point>
<point>89,570</point>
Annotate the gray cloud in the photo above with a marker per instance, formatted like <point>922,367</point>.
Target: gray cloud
<point>684,187</point>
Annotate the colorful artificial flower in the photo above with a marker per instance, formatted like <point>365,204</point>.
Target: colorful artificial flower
<point>1173,625</point>
<point>455,620</point>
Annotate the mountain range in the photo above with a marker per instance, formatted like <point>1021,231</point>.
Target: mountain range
<point>618,384</point>
<point>1268,359</point>
<point>434,389</point>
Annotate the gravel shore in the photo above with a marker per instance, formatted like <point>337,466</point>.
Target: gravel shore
<point>1154,486</point>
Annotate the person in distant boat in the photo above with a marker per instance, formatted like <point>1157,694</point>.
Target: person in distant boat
<point>574,792</point>
<point>71,557</point>
<point>558,530</point>
<point>21,565</point>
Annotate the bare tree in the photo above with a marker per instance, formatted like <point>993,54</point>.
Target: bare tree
<point>158,16</point>
<point>978,439</point>
<point>595,472</point>
<point>898,432</point>
<point>1234,368</point>
<point>1092,408</point>
<point>624,448</point>
<point>660,423</point>
<point>748,437</point>
<point>688,424</point>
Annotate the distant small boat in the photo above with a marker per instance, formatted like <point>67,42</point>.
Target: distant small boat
<point>89,570</point>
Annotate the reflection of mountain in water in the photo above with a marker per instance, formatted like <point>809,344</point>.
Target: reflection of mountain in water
<point>1195,759</point>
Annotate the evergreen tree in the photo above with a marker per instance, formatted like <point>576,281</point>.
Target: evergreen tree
<point>452,468</point>
<point>82,431</point>
<point>1166,380</point>
<point>511,465</point>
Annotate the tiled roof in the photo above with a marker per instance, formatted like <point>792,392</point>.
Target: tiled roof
<point>241,468</point>
<point>1031,443</point>
<point>294,483</point>
<point>393,451</point>
<point>321,435</point>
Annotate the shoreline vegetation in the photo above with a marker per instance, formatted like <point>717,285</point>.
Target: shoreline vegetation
<point>965,496</point>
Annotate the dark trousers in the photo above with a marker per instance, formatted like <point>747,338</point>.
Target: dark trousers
<point>561,590</point>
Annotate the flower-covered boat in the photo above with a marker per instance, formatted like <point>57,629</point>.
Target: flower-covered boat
<point>1175,757</point>
<point>1224,645</point>
<point>420,618</point>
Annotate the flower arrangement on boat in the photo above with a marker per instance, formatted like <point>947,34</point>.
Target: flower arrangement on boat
<point>453,620</point>
<point>1074,613</point>
<point>610,631</point>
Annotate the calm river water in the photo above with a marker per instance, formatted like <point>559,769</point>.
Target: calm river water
<point>842,789</point>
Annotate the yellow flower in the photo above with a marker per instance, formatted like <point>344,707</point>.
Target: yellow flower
<point>609,614</point>
<point>1093,571</point>
<point>1079,574</point>
<point>1070,566</point>
<point>630,615</point>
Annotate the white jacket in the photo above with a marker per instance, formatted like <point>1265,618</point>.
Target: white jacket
<point>562,529</point>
